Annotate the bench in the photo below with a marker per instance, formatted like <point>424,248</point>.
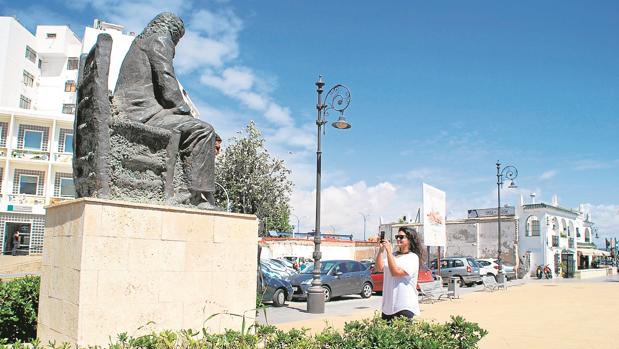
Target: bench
<point>431,291</point>
<point>491,284</point>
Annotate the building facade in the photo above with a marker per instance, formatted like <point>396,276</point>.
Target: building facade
<point>38,80</point>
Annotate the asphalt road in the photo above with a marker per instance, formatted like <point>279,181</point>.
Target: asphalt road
<point>297,310</point>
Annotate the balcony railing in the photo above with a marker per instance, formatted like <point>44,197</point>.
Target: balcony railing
<point>26,200</point>
<point>62,157</point>
<point>555,241</point>
<point>30,154</point>
<point>57,199</point>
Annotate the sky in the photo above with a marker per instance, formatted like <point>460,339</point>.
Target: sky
<point>440,92</point>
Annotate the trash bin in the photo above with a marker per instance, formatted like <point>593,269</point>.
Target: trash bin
<point>453,287</point>
<point>500,278</point>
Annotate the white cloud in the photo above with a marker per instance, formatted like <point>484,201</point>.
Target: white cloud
<point>197,51</point>
<point>605,217</point>
<point>341,207</point>
<point>548,175</point>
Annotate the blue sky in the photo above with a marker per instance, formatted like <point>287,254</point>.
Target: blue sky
<point>440,92</point>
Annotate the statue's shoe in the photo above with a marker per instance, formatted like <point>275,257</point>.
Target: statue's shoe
<point>208,206</point>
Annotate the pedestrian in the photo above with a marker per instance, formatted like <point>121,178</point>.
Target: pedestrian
<point>15,243</point>
<point>401,269</point>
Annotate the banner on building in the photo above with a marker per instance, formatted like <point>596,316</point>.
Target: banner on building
<point>492,212</point>
<point>434,233</point>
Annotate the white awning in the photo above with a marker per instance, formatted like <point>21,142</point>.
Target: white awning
<point>593,252</point>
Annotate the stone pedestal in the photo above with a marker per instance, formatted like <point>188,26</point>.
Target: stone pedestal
<point>110,267</point>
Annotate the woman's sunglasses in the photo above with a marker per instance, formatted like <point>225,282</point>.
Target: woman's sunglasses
<point>400,237</point>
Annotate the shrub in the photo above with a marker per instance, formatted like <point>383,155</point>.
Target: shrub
<point>364,334</point>
<point>19,304</point>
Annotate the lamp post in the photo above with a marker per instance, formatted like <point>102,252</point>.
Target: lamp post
<point>508,172</point>
<point>227,197</point>
<point>338,99</point>
<point>365,219</point>
<point>297,217</point>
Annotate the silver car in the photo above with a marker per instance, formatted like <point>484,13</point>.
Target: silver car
<point>339,278</point>
<point>465,269</point>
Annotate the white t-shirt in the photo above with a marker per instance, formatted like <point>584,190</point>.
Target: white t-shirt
<point>400,293</point>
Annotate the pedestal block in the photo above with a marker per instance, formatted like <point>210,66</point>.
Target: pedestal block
<point>110,267</point>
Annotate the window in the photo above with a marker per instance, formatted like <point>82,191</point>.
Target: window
<point>51,35</point>
<point>40,63</point>
<point>31,54</point>
<point>68,108</point>
<point>67,189</point>
<point>532,228</point>
<point>28,184</point>
<point>68,143</point>
<point>24,102</point>
<point>33,139</point>
<point>69,86</point>
<point>28,79</point>
<point>72,63</point>
<point>458,263</point>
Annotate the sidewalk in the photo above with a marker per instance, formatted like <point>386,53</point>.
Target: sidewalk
<point>539,314</point>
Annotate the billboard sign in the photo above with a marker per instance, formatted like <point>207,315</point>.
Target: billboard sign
<point>434,233</point>
<point>492,212</point>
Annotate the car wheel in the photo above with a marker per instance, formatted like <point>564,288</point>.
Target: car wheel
<point>327,291</point>
<point>279,298</point>
<point>461,281</point>
<point>366,290</point>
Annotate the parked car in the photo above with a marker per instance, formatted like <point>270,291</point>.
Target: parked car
<point>488,267</point>
<point>277,268</point>
<point>273,288</point>
<point>508,269</point>
<point>286,264</point>
<point>465,269</point>
<point>339,278</point>
<point>425,275</point>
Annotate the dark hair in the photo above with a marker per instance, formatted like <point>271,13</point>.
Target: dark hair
<point>165,22</point>
<point>415,244</point>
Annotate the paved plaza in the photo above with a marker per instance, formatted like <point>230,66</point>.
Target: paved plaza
<point>533,314</point>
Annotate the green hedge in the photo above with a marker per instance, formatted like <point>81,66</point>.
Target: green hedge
<point>365,334</point>
<point>19,304</point>
<point>18,321</point>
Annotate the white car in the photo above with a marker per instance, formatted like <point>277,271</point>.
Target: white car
<point>488,267</point>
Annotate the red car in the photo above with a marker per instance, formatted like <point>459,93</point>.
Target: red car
<point>425,275</point>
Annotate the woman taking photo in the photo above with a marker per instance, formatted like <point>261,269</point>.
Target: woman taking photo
<point>401,269</point>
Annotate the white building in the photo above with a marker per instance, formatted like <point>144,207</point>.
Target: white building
<point>556,236</point>
<point>38,75</point>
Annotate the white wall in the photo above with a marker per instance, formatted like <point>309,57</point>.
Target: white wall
<point>13,40</point>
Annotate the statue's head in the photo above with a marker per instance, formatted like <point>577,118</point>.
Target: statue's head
<point>165,21</point>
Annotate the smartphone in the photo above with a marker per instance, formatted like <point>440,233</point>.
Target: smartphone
<point>382,236</point>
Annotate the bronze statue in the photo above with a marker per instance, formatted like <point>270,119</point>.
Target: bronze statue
<point>147,91</point>
<point>128,149</point>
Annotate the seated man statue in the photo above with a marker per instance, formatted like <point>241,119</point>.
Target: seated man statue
<point>147,91</point>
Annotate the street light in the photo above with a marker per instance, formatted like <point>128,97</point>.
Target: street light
<point>297,217</point>
<point>508,172</point>
<point>338,99</point>
<point>365,218</point>
<point>227,197</point>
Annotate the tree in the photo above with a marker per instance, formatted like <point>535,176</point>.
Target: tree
<point>257,182</point>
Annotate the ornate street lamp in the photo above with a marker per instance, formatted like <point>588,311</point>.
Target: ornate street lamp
<point>365,218</point>
<point>338,99</point>
<point>298,223</point>
<point>510,173</point>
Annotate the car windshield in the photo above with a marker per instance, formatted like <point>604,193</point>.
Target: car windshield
<point>324,267</point>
